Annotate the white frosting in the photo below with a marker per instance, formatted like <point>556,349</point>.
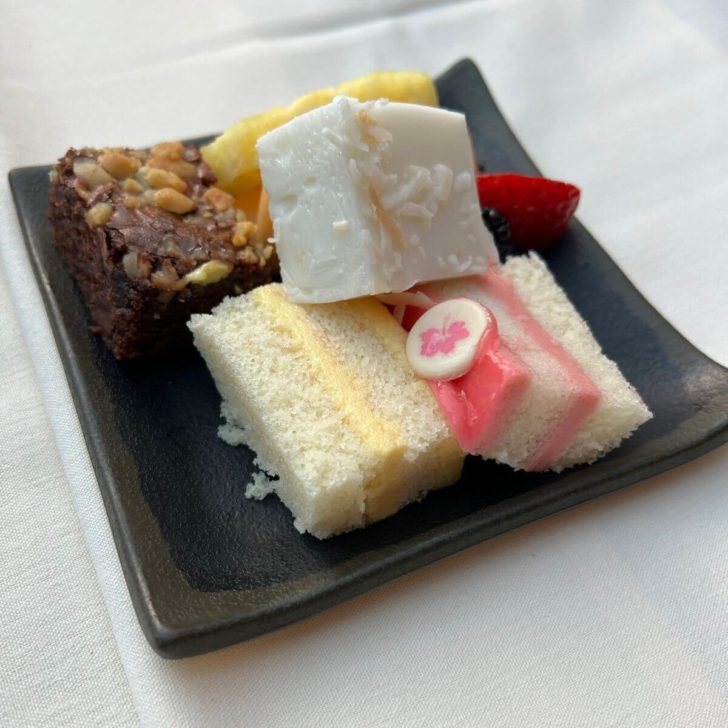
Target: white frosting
<point>372,198</point>
<point>443,343</point>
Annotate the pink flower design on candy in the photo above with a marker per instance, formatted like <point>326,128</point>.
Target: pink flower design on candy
<point>443,340</point>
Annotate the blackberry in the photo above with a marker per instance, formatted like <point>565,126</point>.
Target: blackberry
<point>500,230</point>
<point>497,224</point>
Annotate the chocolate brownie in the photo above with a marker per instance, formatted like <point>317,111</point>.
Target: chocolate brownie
<point>150,240</point>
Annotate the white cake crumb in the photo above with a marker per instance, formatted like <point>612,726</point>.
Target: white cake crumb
<point>263,483</point>
<point>232,434</point>
<point>230,431</point>
<point>260,486</point>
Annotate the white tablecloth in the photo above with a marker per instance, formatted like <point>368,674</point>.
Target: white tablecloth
<point>611,614</point>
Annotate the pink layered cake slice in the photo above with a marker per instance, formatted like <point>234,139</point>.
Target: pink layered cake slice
<point>538,393</point>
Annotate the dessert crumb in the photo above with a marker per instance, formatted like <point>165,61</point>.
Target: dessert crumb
<point>230,431</point>
<point>262,483</point>
<point>260,486</point>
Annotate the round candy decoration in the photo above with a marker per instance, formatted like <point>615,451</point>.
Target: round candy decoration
<point>443,343</point>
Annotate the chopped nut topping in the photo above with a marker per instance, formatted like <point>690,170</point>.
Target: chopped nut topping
<point>129,263</point>
<point>210,272</point>
<point>268,251</point>
<point>119,165</point>
<point>178,166</point>
<point>166,279</point>
<point>99,214</point>
<point>243,231</point>
<point>159,178</point>
<point>133,187</point>
<point>91,173</point>
<point>173,201</point>
<point>219,199</point>
<point>133,201</point>
<point>135,266</point>
<point>168,150</point>
<point>240,215</point>
<point>81,191</point>
<point>226,216</point>
<point>171,247</point>
<point>246,255</point>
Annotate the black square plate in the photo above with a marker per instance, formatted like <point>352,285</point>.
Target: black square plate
<point>207,568</point>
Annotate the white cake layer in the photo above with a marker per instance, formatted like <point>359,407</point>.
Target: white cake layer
<point>372,198</point>
<point>621,409</point>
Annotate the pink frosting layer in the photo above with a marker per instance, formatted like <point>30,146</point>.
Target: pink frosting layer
<point>477,405</point>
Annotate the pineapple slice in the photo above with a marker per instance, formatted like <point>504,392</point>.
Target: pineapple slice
<point>234,158</point>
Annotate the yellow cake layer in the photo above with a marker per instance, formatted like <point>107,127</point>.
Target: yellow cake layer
<point>329,404</point>
<point>379,435</point>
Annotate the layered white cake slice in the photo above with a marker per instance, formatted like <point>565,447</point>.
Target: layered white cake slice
<point>325,396</point>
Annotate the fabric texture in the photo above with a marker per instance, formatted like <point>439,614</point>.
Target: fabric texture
<point>610,614</point>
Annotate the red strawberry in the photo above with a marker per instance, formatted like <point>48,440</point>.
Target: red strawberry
<point>538,210</point>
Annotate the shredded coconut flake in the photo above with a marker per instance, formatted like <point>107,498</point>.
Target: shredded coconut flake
<point>354,170</point>
<point>412,209</point>
<point>463,181</point>
<point>441,182</point>
<point>378,132</point>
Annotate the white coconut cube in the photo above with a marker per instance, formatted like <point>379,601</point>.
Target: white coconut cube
<point>372,198</point>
